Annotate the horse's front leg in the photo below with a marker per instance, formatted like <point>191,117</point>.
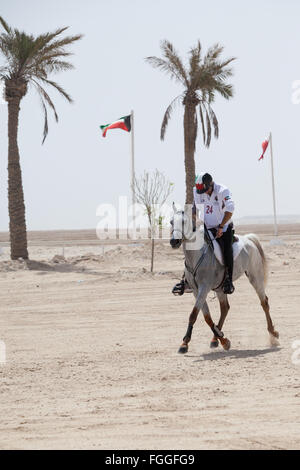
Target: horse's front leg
<point>224,308</point>
<point>200,300</point>
<point>187,338</point>
<point>218,333</point>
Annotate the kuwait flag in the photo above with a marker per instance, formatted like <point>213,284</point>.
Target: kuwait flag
<point>264,147</point>
<point>122,123</point>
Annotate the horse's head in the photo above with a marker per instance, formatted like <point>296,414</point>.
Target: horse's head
<point>181,228</point>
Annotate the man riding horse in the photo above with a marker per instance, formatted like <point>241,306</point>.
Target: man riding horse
<point>218,210</point>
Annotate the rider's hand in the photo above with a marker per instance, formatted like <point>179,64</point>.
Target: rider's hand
<point>219,232</point>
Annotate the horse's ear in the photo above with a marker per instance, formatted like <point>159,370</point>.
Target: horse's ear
<point>174,207</point>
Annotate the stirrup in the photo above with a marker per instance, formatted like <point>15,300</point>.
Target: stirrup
<point>178,289</point>
<point>228,287</point>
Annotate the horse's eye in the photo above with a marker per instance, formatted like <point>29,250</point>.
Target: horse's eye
<point>171,222</point>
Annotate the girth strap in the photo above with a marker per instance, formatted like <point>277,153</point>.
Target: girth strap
<point>215,288</point>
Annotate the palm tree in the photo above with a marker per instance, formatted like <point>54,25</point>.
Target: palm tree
<point>29,60</point>
<point>204,77</point>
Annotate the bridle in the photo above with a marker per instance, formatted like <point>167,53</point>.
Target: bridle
<point>183,237</point>
<point>182,227</point>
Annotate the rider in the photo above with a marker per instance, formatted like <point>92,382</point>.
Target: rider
<point>218,210</point>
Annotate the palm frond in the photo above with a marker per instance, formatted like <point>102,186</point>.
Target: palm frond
<point>195,58</point>
<point>171,54</point>
<point>59,44</point>
<point>44,55</point>
<point>55,66</point>
<point>58,88</point>
<point>43,64</point>
<point>24,47</point>
<point>39,43</point>
<point>45,98</point>
<point>214,120</point>
<point>202,123</point>
<point>223,74</point>
<point>165,66</point>
<point>213,53</point>
<point>213,78</point>
<point>219,70</point>
<point>8,49</point>
<point>208,127</point>
<point>43,39</point>
<point>46,129</point>
<point>5,25</point>
<point>167,116</point>
<point>203,79</point>
<point>225,90</point>
<point>221,65</point>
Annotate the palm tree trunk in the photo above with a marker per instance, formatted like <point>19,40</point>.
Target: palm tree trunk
<point>190,134</point>
<point>16,207</point>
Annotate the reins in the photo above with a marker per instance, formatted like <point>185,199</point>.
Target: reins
<point>193,271</point>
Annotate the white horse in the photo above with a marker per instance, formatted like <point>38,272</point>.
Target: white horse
<point>204,273</point>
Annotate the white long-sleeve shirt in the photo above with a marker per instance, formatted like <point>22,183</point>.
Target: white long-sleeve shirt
<point>215,205</point>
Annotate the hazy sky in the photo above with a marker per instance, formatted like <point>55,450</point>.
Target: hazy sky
<point>76,169</point>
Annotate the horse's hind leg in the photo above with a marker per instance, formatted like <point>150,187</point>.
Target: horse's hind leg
<point>274,335</point>
<point>258,284</point>
<point>224,308</point>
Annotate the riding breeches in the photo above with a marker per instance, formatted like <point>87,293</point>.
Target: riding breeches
<point>225,241</point>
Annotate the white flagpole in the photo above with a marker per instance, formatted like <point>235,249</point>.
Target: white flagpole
<point>132,157</point>
<point>132,171</point>
<point>273,186</point>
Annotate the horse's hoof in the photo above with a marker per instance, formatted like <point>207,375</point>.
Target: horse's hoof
<point>274,338</point>
<point>214,343</point>
<point>183,349</point>
<point>225,343</point>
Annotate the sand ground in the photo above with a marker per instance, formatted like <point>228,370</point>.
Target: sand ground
<point>91,352</point>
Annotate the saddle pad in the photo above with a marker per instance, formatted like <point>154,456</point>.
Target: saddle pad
<point>237,248</point>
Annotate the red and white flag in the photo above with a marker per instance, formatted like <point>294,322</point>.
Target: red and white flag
<point>264,147</point>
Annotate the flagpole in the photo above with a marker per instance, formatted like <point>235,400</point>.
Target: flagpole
<point>273,186</point>
<point>132,157</point>
<point>132,172</point>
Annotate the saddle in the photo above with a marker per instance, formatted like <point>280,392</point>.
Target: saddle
<point>235,238</point>
<point>237,244</point>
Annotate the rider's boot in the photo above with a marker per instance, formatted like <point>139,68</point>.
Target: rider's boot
<point>228,287</point>
<point>181,287</point>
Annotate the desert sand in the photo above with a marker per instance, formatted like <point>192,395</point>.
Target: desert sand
<point>91,342</point>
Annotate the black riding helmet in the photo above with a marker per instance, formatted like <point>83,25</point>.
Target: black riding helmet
<point>203,183</point>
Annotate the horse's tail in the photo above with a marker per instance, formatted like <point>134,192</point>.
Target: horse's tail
<point>254,238</point>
